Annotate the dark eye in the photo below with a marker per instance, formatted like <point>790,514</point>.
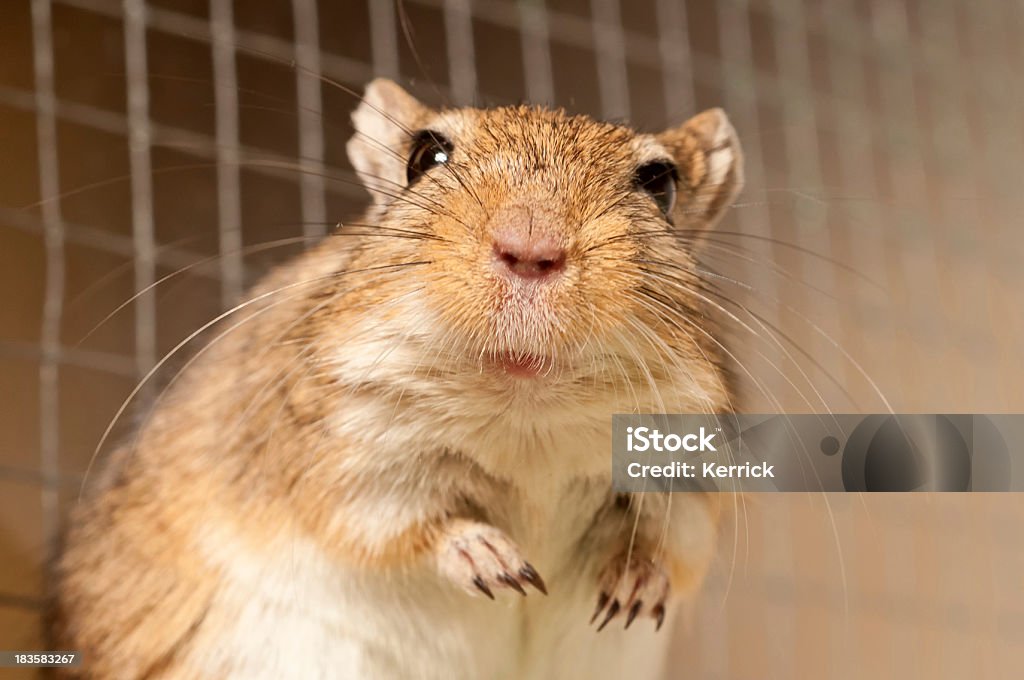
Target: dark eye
<point>429,148</point>
<point>658,179</point>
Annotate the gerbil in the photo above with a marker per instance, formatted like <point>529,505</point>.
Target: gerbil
<point>413,418</point>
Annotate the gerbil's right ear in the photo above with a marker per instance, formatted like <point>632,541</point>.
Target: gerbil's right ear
<point>383,123</point>
<point>710,162</point>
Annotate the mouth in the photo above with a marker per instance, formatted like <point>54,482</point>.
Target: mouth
<point>516,365</point>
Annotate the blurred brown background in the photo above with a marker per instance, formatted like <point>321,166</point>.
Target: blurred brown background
<point>882,136</point>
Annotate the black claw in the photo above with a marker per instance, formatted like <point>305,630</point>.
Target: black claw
<point>602,600</point>
<point>511,582</point>
<point>612,611</point>
<point>531,576</point>
<point>659,615</point>
<point>479,583</point>
<point>633,611</point>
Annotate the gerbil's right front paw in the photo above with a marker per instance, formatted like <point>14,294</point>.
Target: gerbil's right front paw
<point>480,557</point>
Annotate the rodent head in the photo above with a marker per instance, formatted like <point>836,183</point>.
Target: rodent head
<point>553,247</point>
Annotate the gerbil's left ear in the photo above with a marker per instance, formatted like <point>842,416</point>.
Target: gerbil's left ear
<point>383,123</point>
<point>707,152</point>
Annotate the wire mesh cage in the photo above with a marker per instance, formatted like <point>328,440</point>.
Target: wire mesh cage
<point>160,155</point>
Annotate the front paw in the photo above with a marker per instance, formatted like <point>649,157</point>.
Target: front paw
<point>631,587</point>
<point>480,557</point>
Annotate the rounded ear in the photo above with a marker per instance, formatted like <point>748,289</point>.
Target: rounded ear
<point>707,152</point>
<point>383,123</point>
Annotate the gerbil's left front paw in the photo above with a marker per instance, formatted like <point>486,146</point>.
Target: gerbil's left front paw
<point>631,587</point>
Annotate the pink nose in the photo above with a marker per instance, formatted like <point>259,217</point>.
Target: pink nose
<point>525,243</point>
<point>527,255</point>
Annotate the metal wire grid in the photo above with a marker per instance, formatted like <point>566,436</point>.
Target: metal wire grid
<point>875,50</point>
<point>742,86</point>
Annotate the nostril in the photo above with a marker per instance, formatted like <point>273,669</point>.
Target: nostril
<point>529,258</point>
<point>548,265</point>
<point>506,258</point>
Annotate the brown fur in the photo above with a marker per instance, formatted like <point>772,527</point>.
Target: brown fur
<point>239,441</point>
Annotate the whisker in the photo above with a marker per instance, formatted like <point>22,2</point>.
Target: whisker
<point>700,288</point>
<point>183,270</point>
<point>263,296</point>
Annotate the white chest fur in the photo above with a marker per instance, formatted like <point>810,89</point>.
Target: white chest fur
<point>288,612</point>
